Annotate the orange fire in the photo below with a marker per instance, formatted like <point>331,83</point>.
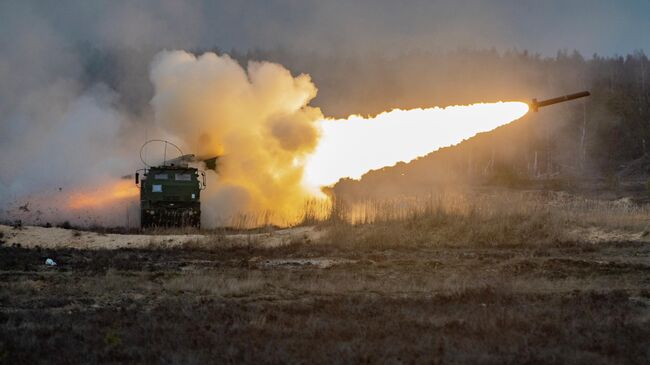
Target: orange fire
<point>351,147</point>
<point>108,194</point>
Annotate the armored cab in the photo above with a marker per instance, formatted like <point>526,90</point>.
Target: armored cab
<point>170,193</point>
<point>170,196</point>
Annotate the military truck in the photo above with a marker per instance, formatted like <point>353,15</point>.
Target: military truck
<point>170,193</point>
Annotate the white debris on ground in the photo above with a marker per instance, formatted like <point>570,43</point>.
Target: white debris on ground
<point>31,237</point>
<point>600,235</point>
<point>323,263</point>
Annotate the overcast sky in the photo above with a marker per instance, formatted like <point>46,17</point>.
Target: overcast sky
<point>544,26</point>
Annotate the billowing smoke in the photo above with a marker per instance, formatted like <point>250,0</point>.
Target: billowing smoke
<point>258,119</point>
<point>56,134</point>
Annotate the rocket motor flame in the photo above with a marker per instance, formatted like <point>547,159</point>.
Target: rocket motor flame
<point>351,147</point>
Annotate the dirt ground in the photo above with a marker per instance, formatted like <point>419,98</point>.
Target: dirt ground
<point>308,300</point>
<point>58,238</point>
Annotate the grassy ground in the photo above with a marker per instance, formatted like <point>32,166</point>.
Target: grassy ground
<point>442,286</point>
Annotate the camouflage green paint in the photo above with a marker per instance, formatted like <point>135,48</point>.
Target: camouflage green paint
<point>170,197</point>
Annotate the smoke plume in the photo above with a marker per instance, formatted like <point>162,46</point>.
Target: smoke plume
<point>56,134</point>
<point>257,119</point>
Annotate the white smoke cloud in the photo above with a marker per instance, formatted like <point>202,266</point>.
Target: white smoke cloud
<point>60,142</point>
<point>56,134</point>
<point>258,118</point>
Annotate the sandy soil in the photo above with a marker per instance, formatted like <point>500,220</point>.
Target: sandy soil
<point>32,237</point>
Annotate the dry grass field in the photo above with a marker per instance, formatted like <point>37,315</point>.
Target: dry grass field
<point>504,278</point>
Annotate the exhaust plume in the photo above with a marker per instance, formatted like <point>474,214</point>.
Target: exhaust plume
<point>353,146</point>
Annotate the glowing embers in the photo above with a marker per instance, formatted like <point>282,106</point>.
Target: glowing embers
<point>351,147</point>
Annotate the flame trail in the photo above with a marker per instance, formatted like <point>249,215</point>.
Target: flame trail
<point>351,147</point>
<point>110,193</point>
<point>111,203</point>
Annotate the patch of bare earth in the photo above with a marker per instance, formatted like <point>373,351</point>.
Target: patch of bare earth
<point>55,238</point>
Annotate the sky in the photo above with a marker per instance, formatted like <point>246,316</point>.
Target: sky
<point>385,26</point>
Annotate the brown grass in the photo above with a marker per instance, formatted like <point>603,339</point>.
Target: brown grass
<point>496,219</point>
<point>198,283</point>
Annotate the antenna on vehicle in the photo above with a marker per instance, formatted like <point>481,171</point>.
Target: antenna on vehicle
<point>142,149</point>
